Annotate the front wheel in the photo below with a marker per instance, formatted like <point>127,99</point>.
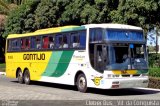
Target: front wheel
<point>27,77</point>
<point>82,83</point>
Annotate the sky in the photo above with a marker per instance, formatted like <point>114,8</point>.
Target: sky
<point>151,38</point>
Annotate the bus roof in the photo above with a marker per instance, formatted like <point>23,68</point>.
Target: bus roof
<point>48,31</point>
<point>74,28</point>
<point>113,26</point>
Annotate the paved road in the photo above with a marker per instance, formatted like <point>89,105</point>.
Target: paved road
<point>10,89</point>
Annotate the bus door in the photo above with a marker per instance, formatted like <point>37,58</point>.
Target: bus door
<point>100,56</point>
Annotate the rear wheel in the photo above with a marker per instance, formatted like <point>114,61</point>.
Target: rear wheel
<point>20,77</point>
<point>27,77</point>
<point>82,83</point>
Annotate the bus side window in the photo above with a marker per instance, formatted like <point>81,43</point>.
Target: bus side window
<point>66,41</point>
<point>96,35</point>
<point>15,44</point>
<point>45,42</point>
<point>38,43</point>
<point>51,42</point>
<point>75,40</point>
<point>99,34</point>
<point>27,44</point>
<point>59,41</point>
<point>9,48</point>
<point>92,35</point>
<point>83,39</point>
<point>33,42</point>
<point>22,43</point>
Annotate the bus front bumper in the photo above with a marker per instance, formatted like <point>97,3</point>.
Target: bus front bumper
<point>124,83</point>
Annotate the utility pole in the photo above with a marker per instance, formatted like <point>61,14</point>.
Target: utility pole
<point>155,28</point>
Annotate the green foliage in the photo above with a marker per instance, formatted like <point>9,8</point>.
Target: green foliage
<point>89,14</point>
<point>154,72</point>
<point>87,11</point>
<point>7,6</point>
<point>48,12</point>
<point>2,67</point>
<point>72,13</point>
<point>154,60</point>
<point>34,15</point>
<point>21,19</point>
<point>38,14</point>
<point>137,12</point>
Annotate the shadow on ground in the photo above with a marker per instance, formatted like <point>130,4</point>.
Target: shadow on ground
<point>110,92</point>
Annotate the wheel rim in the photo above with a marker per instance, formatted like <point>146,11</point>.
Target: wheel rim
<point>82,83</point>
<point>19,76</point>
<point>26,78</point>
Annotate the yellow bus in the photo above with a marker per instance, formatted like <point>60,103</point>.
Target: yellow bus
<point>105,56</point>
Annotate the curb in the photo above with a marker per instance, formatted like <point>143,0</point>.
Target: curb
<point>2,73</point>
<point>153,89</point>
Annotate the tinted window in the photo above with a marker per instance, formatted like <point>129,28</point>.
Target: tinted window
<point>59,41</point>
<point>14,44</point>
<point>51,42</point>
<point>33,43</point>
<point>83,39</point>
<point>25,43</point>
<point>63,41</point>
<point>9,45</point>
<point>38,43</point>
<point>78,39</point>
<point>75,43</point>
<point>95,34</point>
<point>45,43</point>
<point>66,40</point>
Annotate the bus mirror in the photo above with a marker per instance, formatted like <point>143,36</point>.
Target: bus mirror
<point>131,46</point>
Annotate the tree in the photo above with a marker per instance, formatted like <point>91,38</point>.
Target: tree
<point>48,12</point>
<point>80,12</point>
<point>143,13</point>
<point>34,15</point>
<point>7,5</point>
<point>71,15</point>
<point>21,19</point>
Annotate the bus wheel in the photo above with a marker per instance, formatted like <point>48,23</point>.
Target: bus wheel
<point>82,83</point>
<point>20,77</point>
<point>27,77</point>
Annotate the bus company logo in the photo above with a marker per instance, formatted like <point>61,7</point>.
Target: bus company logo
<point>34,56</point>
<point>124,71</point>
<point>78,56</point>
<point>97,80</point>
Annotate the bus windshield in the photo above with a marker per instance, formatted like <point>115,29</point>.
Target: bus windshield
<point>126,56</point>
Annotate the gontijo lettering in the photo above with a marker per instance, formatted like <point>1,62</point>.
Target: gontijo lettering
<point>34,56</point>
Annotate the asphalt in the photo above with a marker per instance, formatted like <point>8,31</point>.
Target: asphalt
<point>56,94</point>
